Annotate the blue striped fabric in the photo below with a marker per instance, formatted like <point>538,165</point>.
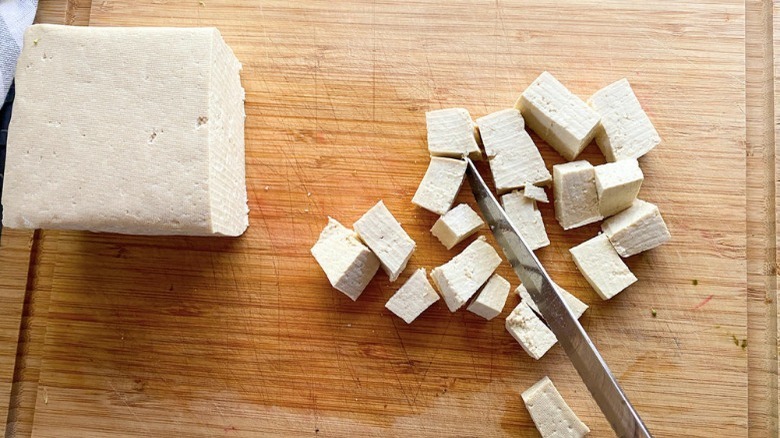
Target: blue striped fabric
<point>5,117</point>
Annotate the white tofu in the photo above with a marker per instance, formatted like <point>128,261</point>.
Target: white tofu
<point>348,264</point>
<point>514,159</point>
<point>550,413</point>
<point>536,193</point>
<point>601,265</point>
<point>618,185</point>
<point>529,330</point>
<point>385,237</point>
<point>577,307</point>
<point>456,225</point>
<point>491,299</point>
<point>576,195</point>
<point>636,229</point>
<point>413,297</point>
<point>556,115</point>
<point>459,279</point>
<point>625,130</point>
<point>451,134</point>
<point>440,185</point>
<point>127,130</point>
<point>526,218</point>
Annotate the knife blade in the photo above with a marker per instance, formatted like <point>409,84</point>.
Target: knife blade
<point>592,368</point>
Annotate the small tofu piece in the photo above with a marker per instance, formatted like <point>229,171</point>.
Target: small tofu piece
<point>556,115</point>
<point>618,185</point>
<point>385,237</point>
<point>348,263</point>
<point>625,130</point>
<point>576,195</point>
<point>451,134</point>
<point>602,266</point>
<point>413,297</point>
<point>551,415</point>
<point>440,185</point>
<point>577,307</point>
<point>536,193</point>
<point>491,299</point>
<point>636,229</point>
<point>459,279</point>
<point>514,159</point>
<point>529,330</point>
<point>526,218</point>
<point>456,225</point>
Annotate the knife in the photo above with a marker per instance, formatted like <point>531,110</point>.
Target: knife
<point>575,342</point>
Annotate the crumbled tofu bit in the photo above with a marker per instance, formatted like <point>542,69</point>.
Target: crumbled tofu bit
<point>556,115</point>
<point>514,159</point>
<point>576,306</point>
<point>451,133</point>
<point>618,185</point>
<point>576,196</point>
<point>348,264</point>
<point>526,218</point>
<point>456,225</point>
<point>385,237</point>
<point>491,299</point>
<point>413,297</point>
<point>625,130</point>
<point>536,193</point>
<point>636,229</point>
<point>459,279</point>
<point>440,185</point>
<point>529,330</point>
<point>550,413</point>
<point>602,266</point>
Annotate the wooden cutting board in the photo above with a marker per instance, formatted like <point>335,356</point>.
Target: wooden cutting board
<point>168,336</point>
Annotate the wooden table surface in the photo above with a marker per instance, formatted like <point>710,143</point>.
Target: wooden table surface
<point>105,335</point>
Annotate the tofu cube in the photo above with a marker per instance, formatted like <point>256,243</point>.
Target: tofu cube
<point>459,279</point>
<point>526,218</point>
<point>636,229</point>
<point>625,130</point>
<point>576,306</point>
<point>529,331</point>
<point>618,185</point>
<point>556,115</point>
<point>456,225</point>
<point>514,159</point>
<point>385,237</point>
<point>413,297</point>
<point>491,299</point>
<point>536,193</point>
<point>440,185</point>
<point>451,134</point>
<point>601,265</point>
<point>550,413</point>
<point>348,264</point>
<point>127,130</point>
<point>576,195</point>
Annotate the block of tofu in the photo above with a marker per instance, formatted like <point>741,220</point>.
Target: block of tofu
<point>348,264</point>
<point>451,133</point>
<point>625,130</point>
<point>514,159</point>
<point>459,279</point>
<point>556,115</point>
<point>529,331</point>
<point>536,193</point>
<point>576,195</point>
<point>456,225</point>
<point>491,299</point>
<point>150,139</point>
<point>385,237</point>
<point>618,185</point>
<point>413,297</point>
<point>440,185</point>
<point>577,307</point>
<point>526,218</point>
<point>601,265</point>
<point>550,413</point>
<point>636,229</point>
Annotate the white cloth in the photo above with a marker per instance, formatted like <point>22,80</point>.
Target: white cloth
<point>15,17</point>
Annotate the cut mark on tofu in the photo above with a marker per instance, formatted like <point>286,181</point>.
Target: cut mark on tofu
<point>601,265</point>
<point>618,185</point>
<point>385,237</point>
<point>550,413</point>
<point>456,225</point>
<point>413,297</point>
<point>576,306</point>
<point>576,195</point>
<point>440,185</point>
<point>526,218</point>
<point>636,229</point>
<point>459,279</point>
<point>491,299</point>
<point>529,331</point>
